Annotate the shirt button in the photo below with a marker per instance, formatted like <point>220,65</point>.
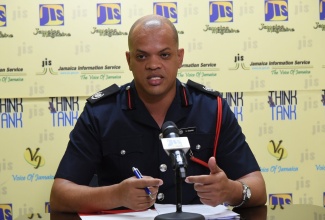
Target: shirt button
<point>198,147</point>
<point>163,167</point>
<point>160,196</point>
<point>122,152</point>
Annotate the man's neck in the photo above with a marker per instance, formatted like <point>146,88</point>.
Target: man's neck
<point>158,111</point>
<point>158,107</point>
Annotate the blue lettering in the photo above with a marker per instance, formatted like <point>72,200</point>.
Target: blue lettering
<point>51,15</point>
<point>101,15</point>
<point>64,118</point>
<point>2,16</point>
<point>5,214</point>
<point>322,10</point>
<point>166,11</point>
<point>281,112</point>
<point>221,12</point>
<point>238,112</point>
<point>276,11</point>
<point>280,200</point>
<point>108,14</point>
<point>173,13</point>
<point>15,120</point>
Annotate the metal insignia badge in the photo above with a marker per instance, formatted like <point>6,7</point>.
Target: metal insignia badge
<point>208,89</point>
<point>97,95</point>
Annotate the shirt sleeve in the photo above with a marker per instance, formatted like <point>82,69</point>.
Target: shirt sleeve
<point>234,155</point>
<point>83,153</point>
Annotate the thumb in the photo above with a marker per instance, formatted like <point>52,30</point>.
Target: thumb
<point>213,166</point>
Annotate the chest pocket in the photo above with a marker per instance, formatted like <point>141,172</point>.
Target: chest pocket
<point>202,148</point>
<point>122,154</point>
<point>123,147</point>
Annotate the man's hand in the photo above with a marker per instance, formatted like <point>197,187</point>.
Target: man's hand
<point>132,194</point>
<point>212,189</point>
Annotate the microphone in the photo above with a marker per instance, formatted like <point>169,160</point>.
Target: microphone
<point>176,147</point>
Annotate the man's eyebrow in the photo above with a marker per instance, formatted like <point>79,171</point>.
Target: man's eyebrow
<point>163,50</point>
<point>142,51</point>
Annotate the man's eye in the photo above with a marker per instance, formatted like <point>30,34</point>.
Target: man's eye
<point>165,55</point>
<point>140,56</point>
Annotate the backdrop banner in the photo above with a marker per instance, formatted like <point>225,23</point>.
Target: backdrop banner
<point>266,57</point>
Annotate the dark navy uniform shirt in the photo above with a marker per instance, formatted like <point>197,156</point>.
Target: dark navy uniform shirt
<point>116,132</point>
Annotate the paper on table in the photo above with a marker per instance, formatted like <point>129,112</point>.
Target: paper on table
<point>219,212</point>
<point>144,215</point>
<point>209,212</point>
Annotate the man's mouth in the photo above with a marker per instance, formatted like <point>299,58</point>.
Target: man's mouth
<point>155,80</point>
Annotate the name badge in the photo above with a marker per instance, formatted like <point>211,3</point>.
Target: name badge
<point>188,130</point>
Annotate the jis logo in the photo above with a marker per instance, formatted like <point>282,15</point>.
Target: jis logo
<point>167,10</point>
<point>3,18</point>
<point>280,199</point>
<point>221,11</point>
<point>47,207</point>
<point>51,15</point>
<point>109,14</point>
<point>5,211</point>
<point>321,10</point>
<point>276,10</point>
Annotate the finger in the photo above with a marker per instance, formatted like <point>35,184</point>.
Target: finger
<point>213,166</point>
<point>205,179</point>
<point>149,182</point>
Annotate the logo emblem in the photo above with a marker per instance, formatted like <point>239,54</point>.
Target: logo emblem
<point>221,11</point>
<point>3,18</point>
<point>34,158</point>
<point>97,95</point>
<point>276,150</point>
<point>51,15</point>
<point>321,10</point>
<point>208,89</point>
<point>109,14</point>
<point>47,207</point>
<point>166,9</point>
<point>276,10</point>
<point>280,199</point>
<point>5,211</point>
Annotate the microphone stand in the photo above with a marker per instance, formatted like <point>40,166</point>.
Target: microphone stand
<point>180,174</point>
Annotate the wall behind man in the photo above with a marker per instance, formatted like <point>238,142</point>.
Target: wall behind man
<point>264,56</point>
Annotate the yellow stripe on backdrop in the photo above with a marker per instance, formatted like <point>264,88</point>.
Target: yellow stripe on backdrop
<point>265,56</point>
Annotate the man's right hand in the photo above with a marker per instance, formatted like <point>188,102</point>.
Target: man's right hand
<point>132,194</point>
<point>67,196</point>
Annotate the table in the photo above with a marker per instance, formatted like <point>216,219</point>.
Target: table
<point>283,212</point>
<point>280,212</point>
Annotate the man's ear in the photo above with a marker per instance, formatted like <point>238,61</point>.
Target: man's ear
<point>127,55</point>
<point>180,55</point>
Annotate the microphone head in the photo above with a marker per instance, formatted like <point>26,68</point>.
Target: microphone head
<point>169,130</point>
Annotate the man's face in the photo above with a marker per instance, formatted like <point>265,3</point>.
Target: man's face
<point>154,59</point>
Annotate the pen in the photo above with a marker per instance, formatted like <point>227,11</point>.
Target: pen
<point>137,173</point>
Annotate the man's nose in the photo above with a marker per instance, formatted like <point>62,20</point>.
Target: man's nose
<point>154,62</point>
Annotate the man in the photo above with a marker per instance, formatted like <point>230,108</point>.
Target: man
<point>120,126</point>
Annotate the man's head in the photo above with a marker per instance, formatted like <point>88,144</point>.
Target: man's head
<point>152,21</point>
<point>154,56</point>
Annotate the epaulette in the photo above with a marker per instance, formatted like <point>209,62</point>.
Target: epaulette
<point>202,88</point>
<point>104,93</point>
